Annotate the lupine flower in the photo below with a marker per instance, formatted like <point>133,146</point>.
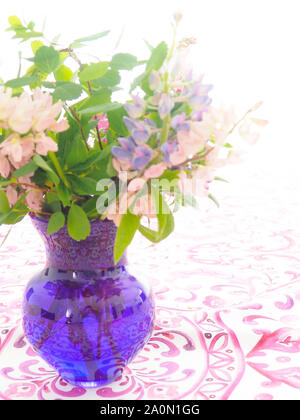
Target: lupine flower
<point>12,195</point>
<point>247,133</point>
<point>18,148</point>
<point>136,156</point>
<point>198,115</point>
<point>45,144</point>
<point>137,108</point>
<point>21,117</point>
<point>177,16</point>
<point>194,140</point>
<point>6,105</point>
<point>197,95</point>
<point>155,171</point>
<point>136,184</point>
<point>124,153</point>
<point>4,166</point>
<point>154,80</point>
<point>173,153</point>
<point>140,132</point>
<point>34,200</point>
<point>142,157</point>
<point>180,123</point>
<point>165,105</point>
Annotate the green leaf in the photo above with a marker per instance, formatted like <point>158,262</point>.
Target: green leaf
<point>76,151</point>
<point>158,56</point>
<point>39,161</point>
<point>139,80</point>
<point>91,37</point>
<point>25,170</point>
<point>67,91</point>
<point>110,106</point>
<point>24,35</point>
<point>78,223</point>
<point>92,159</point>
<point>90,206</point>
<point>110,79</point>
<point>116,123</point>
<point>64,194</point>
<point>47,59</point>
<point>56,222</point>
<point>83,186</point>
<point>35,45</point>
<point>4,204</point>
<point>125,233</point>
<point>218,178</point>
<point>124,62</point>
<point>21,81</point>
<point>15,21</point>
<point>211,197</point>
<point>164,216</point>
<point>93,71</point>
<point>63,73</point>
<point>101,97</point>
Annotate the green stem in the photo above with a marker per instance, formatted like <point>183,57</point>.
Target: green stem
<point>165,130</point>
<point>59,168</point>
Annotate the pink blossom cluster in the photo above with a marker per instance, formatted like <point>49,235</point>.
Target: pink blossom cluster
<point>26,121</point>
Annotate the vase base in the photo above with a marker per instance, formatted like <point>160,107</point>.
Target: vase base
<point>91,384</point>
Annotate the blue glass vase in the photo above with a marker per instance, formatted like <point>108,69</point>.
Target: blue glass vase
<point>85,316</point>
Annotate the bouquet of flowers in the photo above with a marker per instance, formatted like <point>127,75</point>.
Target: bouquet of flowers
<point>71,154</point>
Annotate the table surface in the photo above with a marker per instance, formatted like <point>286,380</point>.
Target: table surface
<point>227,289</point>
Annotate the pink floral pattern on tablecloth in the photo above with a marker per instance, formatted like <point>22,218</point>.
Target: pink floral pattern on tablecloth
<point>227,289</point>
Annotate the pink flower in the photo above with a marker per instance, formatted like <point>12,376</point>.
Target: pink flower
<point>21,116</point>
<point>155,171</point>
<point>26,179</point>
<point>45,144</point>
<point>45,113</point>
<point>6,105</point>
<point>136,184</point>
<point>12,147</point>
<point>4,166</point>
<point>34,200</point>
<point>103,123</point>
<point>18,148</point>
<point>177,157</point>
<point>12,195</point>
<point>144,206</point>
<point>59,126</point>
<point>193,141</point>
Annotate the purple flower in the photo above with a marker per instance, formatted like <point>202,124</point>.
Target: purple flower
<point>198,95</point>
<point>137,157</point>
<point>198,115</point>
<point>142,156</point>
<point>139,131</point>
<point>165,106</point>
<point>154,80</point>
<point>126,152</point>
<point>137,108</point>
<point>168,148</point>
<point>179,123</point>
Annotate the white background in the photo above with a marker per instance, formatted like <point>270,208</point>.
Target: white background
<point>248,49</point>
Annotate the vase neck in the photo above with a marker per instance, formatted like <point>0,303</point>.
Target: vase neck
<point>93,253</point>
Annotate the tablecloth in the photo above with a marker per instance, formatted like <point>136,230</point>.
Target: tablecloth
<point>227,292</point>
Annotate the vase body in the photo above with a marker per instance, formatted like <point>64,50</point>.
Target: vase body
<point>86,317</point>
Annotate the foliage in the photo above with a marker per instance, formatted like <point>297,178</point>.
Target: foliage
<point>62,135</point>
